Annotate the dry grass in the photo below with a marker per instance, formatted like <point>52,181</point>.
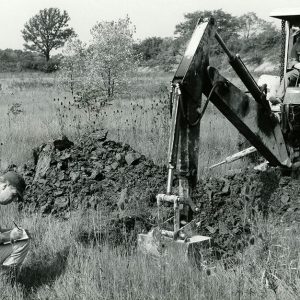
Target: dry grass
<point>61,266</point>
<point>43,114</point>
<point>140,118</point>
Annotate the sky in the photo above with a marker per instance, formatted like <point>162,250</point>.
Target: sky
<point>151,17</point>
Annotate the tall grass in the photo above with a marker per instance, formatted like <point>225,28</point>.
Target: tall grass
<point>45,112</point>
<point>141,118</point>
<point>60,265</point>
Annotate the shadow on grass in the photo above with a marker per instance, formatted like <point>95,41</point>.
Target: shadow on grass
<point>121,231</point>
<point>43,272</point>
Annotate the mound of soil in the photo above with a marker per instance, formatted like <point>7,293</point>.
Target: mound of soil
<point>230,206</point>
<point>92,173</point>
<point>105,175</point>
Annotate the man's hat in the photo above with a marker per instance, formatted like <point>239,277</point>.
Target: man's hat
<point>16,185</point>
<point>16,181</point>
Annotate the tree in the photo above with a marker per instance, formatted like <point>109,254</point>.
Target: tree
<point>110,58</point>
<point>269,38</point>
<point>157,51</point>
<point>167,56</point>
<point>149,48</point>
<point>226,23</point>
<point>73,65</point>
<point>251,25</point>
<point>259,37</point>
<point>46,31</point>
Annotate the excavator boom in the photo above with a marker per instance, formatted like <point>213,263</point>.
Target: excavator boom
<point>259,126</point>
<point>251,116</point>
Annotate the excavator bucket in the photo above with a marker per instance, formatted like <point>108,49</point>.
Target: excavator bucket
<point>183,241</point>
<point>156,244</point>
<point>187,87</point>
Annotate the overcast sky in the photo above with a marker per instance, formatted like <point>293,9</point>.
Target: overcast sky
<point>151,17</point>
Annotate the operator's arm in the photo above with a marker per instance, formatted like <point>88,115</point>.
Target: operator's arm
<point>294,59</point>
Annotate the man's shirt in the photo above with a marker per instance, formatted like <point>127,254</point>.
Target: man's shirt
<point>295,53</point>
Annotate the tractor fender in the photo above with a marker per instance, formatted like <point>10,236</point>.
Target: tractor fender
<point>272,83</point>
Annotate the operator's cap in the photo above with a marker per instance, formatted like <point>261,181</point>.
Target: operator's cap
<point>11,184</point>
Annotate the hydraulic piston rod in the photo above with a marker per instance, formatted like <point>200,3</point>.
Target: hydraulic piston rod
<point>242,71</point>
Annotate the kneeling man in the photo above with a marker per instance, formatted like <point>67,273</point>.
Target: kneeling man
<point>14,243</point>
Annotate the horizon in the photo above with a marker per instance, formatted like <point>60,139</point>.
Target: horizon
<point>148,20</point>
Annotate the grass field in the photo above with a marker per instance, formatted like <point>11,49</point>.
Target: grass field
<point>34,109</point>
<point>61,266</point>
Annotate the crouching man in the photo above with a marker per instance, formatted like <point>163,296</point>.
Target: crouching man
<point>14,243</point>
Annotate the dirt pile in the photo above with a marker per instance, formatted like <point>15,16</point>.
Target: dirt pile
<point>230,206</point>
<point>105,175</point>
<point>92,173</point>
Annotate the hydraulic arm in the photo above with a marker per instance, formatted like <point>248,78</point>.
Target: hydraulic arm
<point>253,119</point>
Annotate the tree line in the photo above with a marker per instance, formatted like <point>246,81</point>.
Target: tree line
<point>104,68</point>
<point>49,30</point>
<point>19,60</point>
<point>244,34</point>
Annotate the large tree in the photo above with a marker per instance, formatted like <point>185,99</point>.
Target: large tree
<point>227,25</point>
<point>47,30</point>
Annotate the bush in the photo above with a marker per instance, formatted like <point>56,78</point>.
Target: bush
<point>18,60</point>
<point>103,70</point>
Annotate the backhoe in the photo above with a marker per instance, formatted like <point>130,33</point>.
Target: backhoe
<point>273,130</point>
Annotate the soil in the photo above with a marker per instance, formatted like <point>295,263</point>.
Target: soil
<point>231,206</point>
<point>96,173</point>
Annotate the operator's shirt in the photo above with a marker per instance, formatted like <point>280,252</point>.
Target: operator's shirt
<point>295,53</point>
